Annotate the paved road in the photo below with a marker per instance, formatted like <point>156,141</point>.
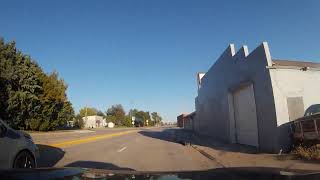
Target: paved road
<point>142,149</point>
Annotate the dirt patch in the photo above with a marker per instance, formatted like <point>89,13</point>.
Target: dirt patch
<point>234,155</point>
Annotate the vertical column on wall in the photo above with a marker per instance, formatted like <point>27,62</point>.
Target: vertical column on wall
<point>242,53</point>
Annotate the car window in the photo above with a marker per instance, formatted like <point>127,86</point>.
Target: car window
<point>3,128</point>
<point>314,109</point>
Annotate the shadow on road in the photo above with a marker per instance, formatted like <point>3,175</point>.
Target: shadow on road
<point>165,135</point>
<point>96,165</point>
<point>49,156</point>
<point>187,137</point>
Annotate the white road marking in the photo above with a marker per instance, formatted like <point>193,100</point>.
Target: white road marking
<point>120,150</point>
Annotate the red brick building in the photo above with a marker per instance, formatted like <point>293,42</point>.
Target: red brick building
<point>186,121</point>
<point>180,120</point>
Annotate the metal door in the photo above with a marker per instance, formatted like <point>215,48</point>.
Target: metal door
<point>246,116</point>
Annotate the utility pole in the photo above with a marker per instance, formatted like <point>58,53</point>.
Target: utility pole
<point>86,115</point>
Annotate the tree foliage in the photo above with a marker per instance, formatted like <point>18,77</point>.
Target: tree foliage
<point>100,113</point>
<point>30,98</point>
<point>127,121</point>
<point>141,117</point>
<point>88,111</point>
<point>110,118</point>
<point>78,121</point>
<point>156,118</point>
<point>117,114</point>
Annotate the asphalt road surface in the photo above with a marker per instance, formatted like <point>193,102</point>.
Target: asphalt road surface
<point>152,149</point>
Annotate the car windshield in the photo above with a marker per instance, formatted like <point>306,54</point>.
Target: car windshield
<point>161,86</point>
<point>314,109</point>
<point>3,123</point>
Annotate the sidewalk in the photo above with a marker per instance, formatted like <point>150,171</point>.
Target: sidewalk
<point>234,155</point>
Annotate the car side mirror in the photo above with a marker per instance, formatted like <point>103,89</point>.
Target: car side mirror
<point>3,130</point>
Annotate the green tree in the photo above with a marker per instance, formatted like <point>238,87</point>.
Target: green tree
<point>156,118</point>
<point>127,121</point>
<point>78,121</point>
<point>141,116</point>
<point>100,113</point>
<point>110,118</point>
<point>54,102</point>
<point>88,111</point>
<point>30,98</point>
<point>19,85</point>
<point>66,114</point>
<point>117,112</point>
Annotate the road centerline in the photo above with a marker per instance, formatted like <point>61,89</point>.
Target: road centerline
<point>90,139</point>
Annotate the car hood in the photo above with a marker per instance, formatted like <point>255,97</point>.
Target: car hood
<point>25,134</point>
<point>220,173</point>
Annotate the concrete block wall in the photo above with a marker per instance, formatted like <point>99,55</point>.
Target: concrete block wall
<point>288,83</point>
<point>231,70</point>
<point>294,83</point>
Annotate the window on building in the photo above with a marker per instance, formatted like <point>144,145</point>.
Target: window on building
<point>295,107</point>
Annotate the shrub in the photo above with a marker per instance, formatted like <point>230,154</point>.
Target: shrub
<point>308,152</point>
<point>45,126</point>
<point>34,124</point>
<point>78,122</point>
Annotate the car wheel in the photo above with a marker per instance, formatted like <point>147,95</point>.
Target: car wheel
<point>24,160</point>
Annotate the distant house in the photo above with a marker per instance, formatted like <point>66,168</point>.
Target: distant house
<point>70,124</point>
<point>94,121</point>
<point>180,120</point>
<point>251,98</point>
<point>186,121</point>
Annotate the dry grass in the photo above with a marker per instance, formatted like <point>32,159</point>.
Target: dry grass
<point>308,152</point>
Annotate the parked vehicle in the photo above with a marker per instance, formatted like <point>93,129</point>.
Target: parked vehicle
<point>308,127</point>
<point>17,148</point>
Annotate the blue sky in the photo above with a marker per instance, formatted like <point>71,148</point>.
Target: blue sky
<point>145,54</point>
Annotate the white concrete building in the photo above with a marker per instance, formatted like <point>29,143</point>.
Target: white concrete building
<point>94,121</point>
<point>250,98</point>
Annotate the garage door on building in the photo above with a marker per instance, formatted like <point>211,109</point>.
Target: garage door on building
<point>245,116</point>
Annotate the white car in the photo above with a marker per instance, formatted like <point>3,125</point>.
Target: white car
<point>17,149</point>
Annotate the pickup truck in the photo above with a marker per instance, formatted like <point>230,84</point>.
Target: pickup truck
<point>307,128</point>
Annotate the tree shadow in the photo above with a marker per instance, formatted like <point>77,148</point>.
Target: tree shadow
<point>49,155</point>
<point>97,165</point>
<point>188,137</point>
